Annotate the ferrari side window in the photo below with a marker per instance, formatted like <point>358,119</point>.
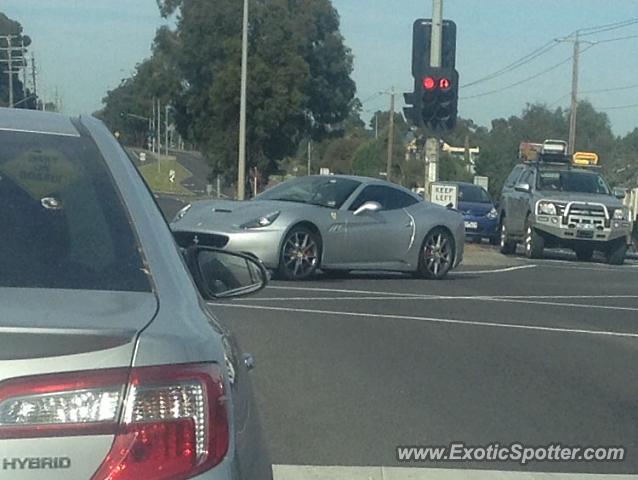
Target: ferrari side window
<point>372,193</point>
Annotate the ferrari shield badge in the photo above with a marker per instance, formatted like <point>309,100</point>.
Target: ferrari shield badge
<point>333,215</point>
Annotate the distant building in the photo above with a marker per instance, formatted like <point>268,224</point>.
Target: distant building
<point>459,152</point>
<point>412,150</point>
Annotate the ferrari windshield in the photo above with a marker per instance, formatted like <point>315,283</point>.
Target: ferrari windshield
<point>326,191</point>
<point>572,181</point>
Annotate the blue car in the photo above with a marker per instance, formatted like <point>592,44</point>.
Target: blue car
<point>479,212</point>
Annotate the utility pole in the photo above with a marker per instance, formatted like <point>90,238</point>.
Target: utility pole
<point>152,127</point>
<point>241,167</point>
<point>10,65</point>
<point>309,155</point>
<point>33,76</point>
<point>23,53</point>
<point>388,167</point>
<point>159,135</point>
<point>166,130</point>
<point>376,125</point>
<point>574,106</point>
<point>432,144</point>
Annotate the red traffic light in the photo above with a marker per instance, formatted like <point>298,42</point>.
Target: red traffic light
<point>444,83</point>
<point>429,83</point>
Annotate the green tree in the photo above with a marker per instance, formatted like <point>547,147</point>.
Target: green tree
<point>128,107</point>
<point>299,77</point>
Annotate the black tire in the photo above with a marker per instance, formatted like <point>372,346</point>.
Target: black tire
<point>437,254</point>
<point>616,252</point>
<point>584,253</point>
<point>300,254</point>
<point>508,247</point>
<point>534,242</point>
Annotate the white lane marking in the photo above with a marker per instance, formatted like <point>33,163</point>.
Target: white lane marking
<point>306,472</point>
<point>559,304</point>
<point>496,270</point>
<point>440,297</point>
<point>574,265</point>
<point>471,298</point>
<point>340,290</point>
<point>431,320</point>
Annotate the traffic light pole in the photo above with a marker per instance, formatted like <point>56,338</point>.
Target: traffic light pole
<point>388,168</point>
<point>432,144</point>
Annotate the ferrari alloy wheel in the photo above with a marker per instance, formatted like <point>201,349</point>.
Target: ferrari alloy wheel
<point>299,254</point>
<point>437,254</point>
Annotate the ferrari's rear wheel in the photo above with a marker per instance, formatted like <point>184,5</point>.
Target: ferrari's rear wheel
<point>299,254</point>
<point>437,254</point>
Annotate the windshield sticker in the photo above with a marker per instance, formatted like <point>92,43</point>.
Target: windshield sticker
<point>42,174</point>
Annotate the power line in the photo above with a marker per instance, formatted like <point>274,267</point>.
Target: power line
<point>520,82</point>
<point>552,43</point>
<point>619,107</point>
<point>525,80</point>
<point>516,64</point>
<point>606,28</point>
<point>616,39</point>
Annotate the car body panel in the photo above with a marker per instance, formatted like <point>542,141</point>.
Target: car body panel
<point>516,207</point>
<point>383,240</point>
<point>171,325</point>
<point>477,212</point>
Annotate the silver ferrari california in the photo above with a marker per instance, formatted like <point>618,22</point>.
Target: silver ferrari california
<point>333,223</point>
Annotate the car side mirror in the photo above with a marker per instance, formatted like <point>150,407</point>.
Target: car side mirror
<point>368,207</point>
<point>222,274</point>
<point>523,188</point>
<point>619,193</point>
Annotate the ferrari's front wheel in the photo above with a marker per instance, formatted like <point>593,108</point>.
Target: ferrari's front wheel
<point>437,254</point>
<point>300,254</point>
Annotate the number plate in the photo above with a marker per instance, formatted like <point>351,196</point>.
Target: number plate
<point>471,225</point>
<point>585,234</point>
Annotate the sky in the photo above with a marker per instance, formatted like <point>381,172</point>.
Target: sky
<point>84,48</point>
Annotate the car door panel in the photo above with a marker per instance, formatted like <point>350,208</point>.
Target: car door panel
<point>377,238</point>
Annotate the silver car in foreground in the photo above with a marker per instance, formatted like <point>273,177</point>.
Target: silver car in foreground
<point>111,366</point>
<point>336,223</point>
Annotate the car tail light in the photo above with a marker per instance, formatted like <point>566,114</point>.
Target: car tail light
<point>169,422</point>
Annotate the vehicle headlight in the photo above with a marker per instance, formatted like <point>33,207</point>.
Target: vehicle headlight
<point>492,214</point>
<point>182,212</point>
<point>260,222</point>
<point>621,213</point>
<point>546,208</point>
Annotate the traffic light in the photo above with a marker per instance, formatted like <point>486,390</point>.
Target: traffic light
<point>421,37</point>
<point>439,100</point>
<point>434,101</point>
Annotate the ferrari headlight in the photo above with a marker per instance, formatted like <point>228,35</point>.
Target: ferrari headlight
<point>260,222</point>
<point>546,208</point>
<point>492,214</point>
<point>621,213</point>
<point>182,212</point>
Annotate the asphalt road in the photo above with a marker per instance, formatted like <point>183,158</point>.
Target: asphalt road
<point>506,349</point>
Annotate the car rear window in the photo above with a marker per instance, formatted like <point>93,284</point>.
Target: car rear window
<point>62,222</point>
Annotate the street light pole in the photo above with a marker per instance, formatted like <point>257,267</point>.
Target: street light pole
<point>241,167</point>
<point>574,98</point>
